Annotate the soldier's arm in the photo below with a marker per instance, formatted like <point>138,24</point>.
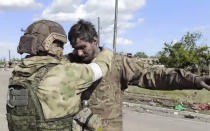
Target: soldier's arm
<point>141,74</point>
<point>59,89</point>
<point>83,75</point>
<point>97,68</point>
<point>77,77</point>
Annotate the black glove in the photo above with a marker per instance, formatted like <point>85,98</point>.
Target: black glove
<point>203,82</point>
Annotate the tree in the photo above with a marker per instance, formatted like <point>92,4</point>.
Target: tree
<point>2,61</point>
<point>184,53</point>
<point>141,55</point>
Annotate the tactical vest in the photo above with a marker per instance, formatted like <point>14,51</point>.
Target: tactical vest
<point>24,111</point>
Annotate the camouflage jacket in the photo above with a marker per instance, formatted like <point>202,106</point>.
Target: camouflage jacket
<point>105,96</point>
<point>60,89</point>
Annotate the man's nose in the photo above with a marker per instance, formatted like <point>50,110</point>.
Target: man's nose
<point>80,53</point>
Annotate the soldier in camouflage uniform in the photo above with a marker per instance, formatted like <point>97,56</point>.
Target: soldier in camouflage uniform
<point>105,95</point>
<point>44,90</point>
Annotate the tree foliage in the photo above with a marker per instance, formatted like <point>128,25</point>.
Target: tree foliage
<point>2,61</point>
<point>141,55</point>
<point>184,53</point>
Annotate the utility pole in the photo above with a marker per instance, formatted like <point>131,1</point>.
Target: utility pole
<point>99,31</point>
<point>115,26</point>
<point>9,56</point>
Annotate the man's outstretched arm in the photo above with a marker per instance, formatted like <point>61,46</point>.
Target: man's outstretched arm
<point>141,74</point>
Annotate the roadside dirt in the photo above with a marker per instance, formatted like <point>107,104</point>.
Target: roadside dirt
<point>159,101</point>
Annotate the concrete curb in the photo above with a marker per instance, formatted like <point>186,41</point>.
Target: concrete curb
<point>167,112</point>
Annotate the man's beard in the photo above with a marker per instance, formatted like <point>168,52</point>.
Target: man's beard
<point>85,59</point>
<point>88,57</point>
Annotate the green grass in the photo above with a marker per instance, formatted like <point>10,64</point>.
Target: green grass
<point>186,96</point>
<point>2,63</point>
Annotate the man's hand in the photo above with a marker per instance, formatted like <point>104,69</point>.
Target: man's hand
<point>203,82</point>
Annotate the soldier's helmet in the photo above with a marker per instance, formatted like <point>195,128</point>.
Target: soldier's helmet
<point>43,37</point>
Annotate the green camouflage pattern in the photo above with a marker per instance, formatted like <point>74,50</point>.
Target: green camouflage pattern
<point>105,96</point>
<point>29,117</point>
<point>58,91</point>
<point>94,123</point>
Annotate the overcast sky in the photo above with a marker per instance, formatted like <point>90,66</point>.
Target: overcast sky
<point>143,25</point>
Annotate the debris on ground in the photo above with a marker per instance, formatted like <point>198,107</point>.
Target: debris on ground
<point>200,106</point>
<point>189,116</point>
<point>180,107</point>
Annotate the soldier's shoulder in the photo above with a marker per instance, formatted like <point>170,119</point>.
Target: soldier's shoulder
<point>67,58</point>
<point>118,60</point>
<point>120,57</point>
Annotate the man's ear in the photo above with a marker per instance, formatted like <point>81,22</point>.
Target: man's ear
<point>74,52</point>
<point>95,40</point>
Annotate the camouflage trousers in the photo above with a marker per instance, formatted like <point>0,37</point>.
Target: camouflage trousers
<point>85,120</point>
<point>112,125</point>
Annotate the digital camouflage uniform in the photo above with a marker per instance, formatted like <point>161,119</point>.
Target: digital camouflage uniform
<point>44,90</point>
<point>105,96</point>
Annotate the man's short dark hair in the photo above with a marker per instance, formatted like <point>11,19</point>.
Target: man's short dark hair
<point>83,30</point>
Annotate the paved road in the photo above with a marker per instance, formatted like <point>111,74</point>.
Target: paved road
<point>4,79</point>
<point>133,121</point>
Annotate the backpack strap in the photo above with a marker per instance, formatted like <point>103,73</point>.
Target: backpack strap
<point>37,79</point>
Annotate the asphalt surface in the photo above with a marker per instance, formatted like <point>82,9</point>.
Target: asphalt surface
<point>133,121</point>
<point>4,80</point>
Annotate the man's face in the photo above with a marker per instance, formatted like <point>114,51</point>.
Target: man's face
<point>85,51</point>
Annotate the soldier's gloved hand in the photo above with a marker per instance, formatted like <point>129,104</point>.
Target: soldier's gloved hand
<point>203,82</point>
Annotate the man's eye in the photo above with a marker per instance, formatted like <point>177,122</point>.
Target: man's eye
<point>80,48</point>
<point>83,47</point>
